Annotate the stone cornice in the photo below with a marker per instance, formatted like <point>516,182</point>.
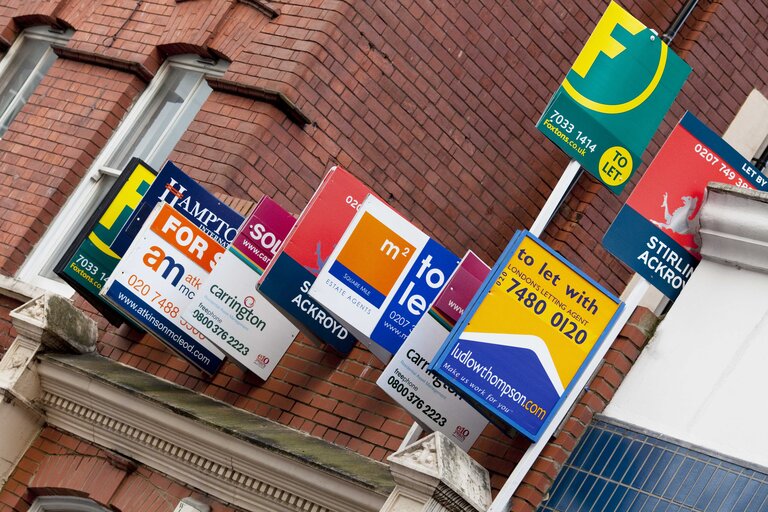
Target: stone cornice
<point>434,469</point>
<point>168,430</point>
<point>733,227</point>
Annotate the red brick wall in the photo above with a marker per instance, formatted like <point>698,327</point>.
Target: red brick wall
<point>51,143</point>
<point>59,464</point>
<point>432,105</point>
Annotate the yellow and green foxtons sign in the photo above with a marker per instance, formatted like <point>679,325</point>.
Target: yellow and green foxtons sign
<point>614,97</point>
<point>89,261</point>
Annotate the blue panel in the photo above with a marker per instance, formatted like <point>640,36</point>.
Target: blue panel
<point>686,489</point>
<point>676,480</point>
<point>643,467</point>
<point>613,501</point>
<point>589,442</point>
<point>739,484</point>
<point>593,498</point>
<point>709,494</point>
<point>569,496</point>
<point>700,486</point>
<point>723,493</point>
<point>639,503</point>
<point>636,464</point>
<point>614,469</point>
<point>609,490</point>
<point>601,461</point>
<point>631,449</point>
<point>650,504</point>
<point>760,499</point>
<point>666,474</point>
<point>581,494</point>
<point>745,500</point>
<point>627,502</point>
<point>662,460</point>
<point>560,492</point>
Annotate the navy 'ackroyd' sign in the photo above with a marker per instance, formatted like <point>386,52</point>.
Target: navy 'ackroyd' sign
<point>290,274</point>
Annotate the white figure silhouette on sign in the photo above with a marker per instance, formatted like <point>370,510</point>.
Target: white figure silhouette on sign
<point>679,221</point>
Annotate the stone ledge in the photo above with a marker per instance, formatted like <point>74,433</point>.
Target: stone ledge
<point>236,456</point>
<point>732,227</point>
<point>18,290</point>
<point>57,324</point>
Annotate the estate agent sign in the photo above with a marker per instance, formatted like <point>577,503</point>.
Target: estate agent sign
<point>407,379</point>
<point>190,198</point>
<point>382,277</point>
<point>614,97</point>
<point>526,336</point>
<point>230,311</point>
<point>160,274</point>
<point>290,274</point>
<point>89,261</point>
<point>653,232</point>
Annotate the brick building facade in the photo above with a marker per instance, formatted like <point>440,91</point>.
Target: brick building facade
<point>432,105</point>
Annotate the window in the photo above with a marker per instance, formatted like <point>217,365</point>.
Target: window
<point>150,131</point>
<point>65,504</point>
<point>22,69</point>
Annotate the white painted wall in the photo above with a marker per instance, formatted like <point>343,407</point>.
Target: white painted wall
<point>703,377</point>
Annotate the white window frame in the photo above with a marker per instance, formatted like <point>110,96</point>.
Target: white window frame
<point>88,191</point>
<point>16,52</point>
<point>65,504</point>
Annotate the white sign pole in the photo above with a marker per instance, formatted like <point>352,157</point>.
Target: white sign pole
<point>501,503</point>
<point>557,196</point>
<point>547,212</point>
